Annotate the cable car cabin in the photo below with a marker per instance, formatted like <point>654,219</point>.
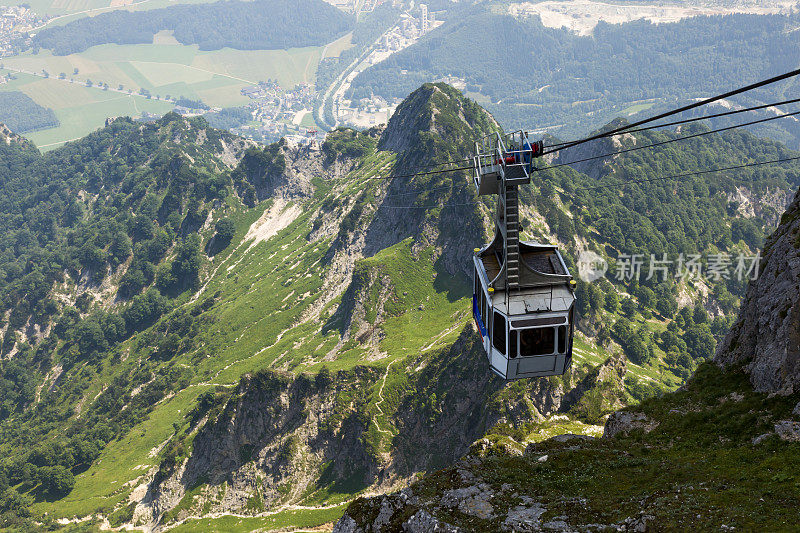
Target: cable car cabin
<point>527,329</point>
<point>523,296</point>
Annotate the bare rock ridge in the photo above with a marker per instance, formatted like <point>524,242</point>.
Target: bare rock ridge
<point>766,336</point>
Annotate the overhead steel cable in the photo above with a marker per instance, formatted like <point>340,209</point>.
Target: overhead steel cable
<point>450,162</point>
<point>627,150</point>
<point>690,174</point>
<point>666,114</point>
<point>622,184</point>
<point>694,119</point>
<point>647,128</point>
<point>413,174</point>
<point>406,193</point>
<point>630,127</point>
<point>633,149</point>
<point>669,141</point>
<point>435,206</point>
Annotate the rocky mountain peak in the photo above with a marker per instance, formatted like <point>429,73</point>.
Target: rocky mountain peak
<point>434,119</point>
<point>766,336</point>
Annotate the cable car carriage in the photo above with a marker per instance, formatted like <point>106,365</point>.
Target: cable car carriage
<point>523,293</point>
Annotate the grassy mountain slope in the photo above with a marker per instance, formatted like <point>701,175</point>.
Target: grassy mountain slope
<point>719,453</point>
<point>286,331</point>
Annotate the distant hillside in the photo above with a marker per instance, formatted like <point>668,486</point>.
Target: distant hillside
<point>257,25</point>
<point>533,76</point>
<point>20,113</point>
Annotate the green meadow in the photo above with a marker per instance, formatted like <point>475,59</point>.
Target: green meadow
<point>64,11</point>
<point>163,69</point>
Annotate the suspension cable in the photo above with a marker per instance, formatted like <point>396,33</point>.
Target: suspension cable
<point>695,105</point>
<point>696,173</point>
<point>624,183</point>
<point>695,119</point>
<point>635,148</point>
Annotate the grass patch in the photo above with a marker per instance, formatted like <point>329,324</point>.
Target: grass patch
<point>101,487</point>
<point>296,519</point>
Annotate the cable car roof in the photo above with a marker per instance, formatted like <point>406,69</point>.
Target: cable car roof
<point>537,300</point>
<point>541,266</point>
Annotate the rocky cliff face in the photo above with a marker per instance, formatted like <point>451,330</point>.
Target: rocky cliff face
<point>274,437</point>
<point>278,436</point>
<point>9,137</point>
<point>766,336</point>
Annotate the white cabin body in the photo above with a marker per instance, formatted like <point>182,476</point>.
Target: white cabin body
<point>526,332</point>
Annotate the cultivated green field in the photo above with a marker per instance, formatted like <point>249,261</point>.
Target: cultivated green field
<point>336,48</point>
<point>178,70</point>
<point>163,69</point>
<point>64,11</point>
<point>80,109</point>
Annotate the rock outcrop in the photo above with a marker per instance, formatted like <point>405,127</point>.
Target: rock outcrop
<point>274,437</point>
<point>766,337</point>
<point>9,137</point>
<point>622,422</point>
<point>465,494</point>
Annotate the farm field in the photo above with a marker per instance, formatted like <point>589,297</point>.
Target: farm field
<point>80,109</point>
<point>64,11</point>
<point>163,69</point>
<point>176,69</point>
<point>338,46</point>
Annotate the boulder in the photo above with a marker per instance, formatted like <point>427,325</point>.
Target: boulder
<point>625,421</point>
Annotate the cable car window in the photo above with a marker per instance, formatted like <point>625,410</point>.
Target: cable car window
<point>537,341</point>
<point>488,317</point>
<point>512,343</point>
<point>499,338</point>
<point>562,339</point>
<point>481,305</point>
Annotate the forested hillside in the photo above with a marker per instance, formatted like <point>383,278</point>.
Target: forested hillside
<point>257,25</point>
<point>21,114</point>
<point>195,325</point>
<point>532,76</point>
